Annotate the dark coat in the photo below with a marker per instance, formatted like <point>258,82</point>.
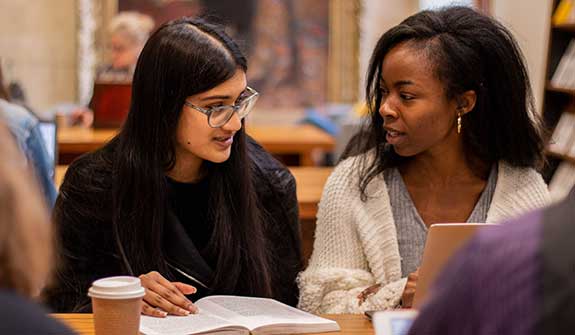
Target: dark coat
<point>88,249</point>
<point>21,316</point>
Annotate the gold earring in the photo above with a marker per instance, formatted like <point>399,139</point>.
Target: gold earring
<point>459,122</point>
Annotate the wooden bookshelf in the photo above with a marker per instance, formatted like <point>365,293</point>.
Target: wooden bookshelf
<point>549,87</point>
<point>568,27</point>
<point>557,100</point>
<point>562,157</point>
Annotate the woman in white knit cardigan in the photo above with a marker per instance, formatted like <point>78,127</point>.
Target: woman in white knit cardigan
<point>451,137</point>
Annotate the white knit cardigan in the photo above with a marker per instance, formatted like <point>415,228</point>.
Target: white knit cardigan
<point>356,242</point>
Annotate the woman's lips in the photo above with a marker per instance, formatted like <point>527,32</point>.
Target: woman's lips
<point>224,141</point>
<point>394,137</point>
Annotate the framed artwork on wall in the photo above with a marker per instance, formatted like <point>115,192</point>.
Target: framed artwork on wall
<point>482,5</point>
<point>301,53</point>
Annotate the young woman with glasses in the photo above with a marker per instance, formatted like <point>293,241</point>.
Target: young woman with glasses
<point>181,197</point>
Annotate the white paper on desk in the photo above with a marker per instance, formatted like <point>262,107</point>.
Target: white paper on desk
<point>239,314</point>
<point>202,322</point>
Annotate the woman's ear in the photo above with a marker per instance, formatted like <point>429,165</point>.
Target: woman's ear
<point>466,102</point>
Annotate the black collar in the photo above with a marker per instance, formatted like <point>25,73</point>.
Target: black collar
<point>182,255</point>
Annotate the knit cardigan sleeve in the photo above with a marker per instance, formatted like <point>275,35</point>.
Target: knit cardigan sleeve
<point>342,264</point>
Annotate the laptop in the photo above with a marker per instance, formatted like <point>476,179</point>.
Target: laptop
<point>397,322</point>
<point>110,103</point>
<point>443,240</point>
<point>49,132</point>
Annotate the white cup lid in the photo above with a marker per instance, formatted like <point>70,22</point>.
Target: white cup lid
<point>121,287</point>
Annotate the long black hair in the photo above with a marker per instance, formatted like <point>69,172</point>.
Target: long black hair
<point>185,57</point>
<point>470,51</point>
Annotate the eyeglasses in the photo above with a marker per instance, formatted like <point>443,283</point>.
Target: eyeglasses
<point>220,115</point>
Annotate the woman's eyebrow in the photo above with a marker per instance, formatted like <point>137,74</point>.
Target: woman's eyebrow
<point>401,83</point>
<point>216,97</point>
<point>220,97</point>
<point>397,84</point>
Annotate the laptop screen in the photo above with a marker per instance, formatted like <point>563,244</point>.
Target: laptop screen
<point>393,322</point>
<point>48,131</point>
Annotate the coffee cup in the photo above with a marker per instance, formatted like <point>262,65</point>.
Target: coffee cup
<point>117,304</point>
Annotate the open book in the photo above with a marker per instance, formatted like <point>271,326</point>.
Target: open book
<point>238,315</point>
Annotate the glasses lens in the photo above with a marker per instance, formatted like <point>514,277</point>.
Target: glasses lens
<point>247,106</point>
<point>220,116</point>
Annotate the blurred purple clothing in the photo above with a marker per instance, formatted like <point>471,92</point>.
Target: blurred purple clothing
<point>493,287</point>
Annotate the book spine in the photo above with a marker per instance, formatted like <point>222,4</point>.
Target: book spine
<point>562,182</point>
<point>568,79</point>
<point>560,75</point>
<point>563,133</point>
<point>562,13</point>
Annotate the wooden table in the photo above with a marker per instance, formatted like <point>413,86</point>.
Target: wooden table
<point>349,324</point>
<point>302,140</point>
<point>77,140</point>
<point>59,175</point>
<point>293,139</point>
<point>309,180</point>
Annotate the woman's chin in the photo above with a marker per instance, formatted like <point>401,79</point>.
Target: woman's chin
<point>218,157</point>
<point>404,152</point>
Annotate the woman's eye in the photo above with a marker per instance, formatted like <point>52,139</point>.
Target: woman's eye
<point>384,91</point>
<point>219,104</point>
<point>242,96</point>
<point>406,97</point>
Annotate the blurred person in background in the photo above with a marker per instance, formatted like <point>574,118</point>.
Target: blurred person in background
<point>128,33</point>
<point>26,250</point>
<point>24,127</point>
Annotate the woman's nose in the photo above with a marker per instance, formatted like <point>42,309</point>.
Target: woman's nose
<point>233,124</point>
<point>386,110</point>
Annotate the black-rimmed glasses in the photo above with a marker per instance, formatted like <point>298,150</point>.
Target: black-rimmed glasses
<point>220,115</point>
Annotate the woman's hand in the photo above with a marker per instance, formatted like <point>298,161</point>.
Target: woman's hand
<point>362,297</point>
<point>164,297</point>
<point>82,117</point>
<point>409,291</point>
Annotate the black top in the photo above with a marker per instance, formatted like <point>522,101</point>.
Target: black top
<point>189,202</point>
<point>88,249</point>
<point>22,317</point>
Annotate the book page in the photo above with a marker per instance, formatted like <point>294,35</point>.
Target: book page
<point>562,182</point>
<point>257,312</point>
<point>184,325</point>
